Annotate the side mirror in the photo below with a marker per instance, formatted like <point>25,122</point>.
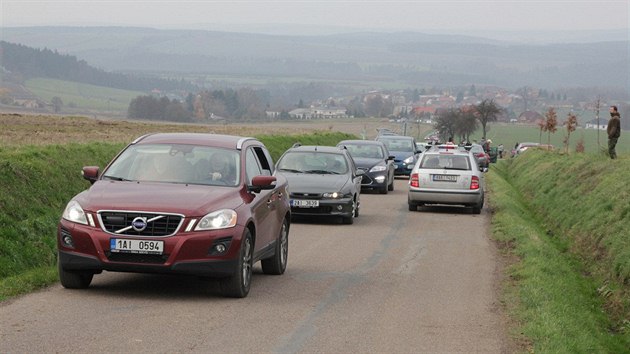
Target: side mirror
<point>391,157</point>
<point>260,183</point>
<point>359,172</point>
<point>90,173</point>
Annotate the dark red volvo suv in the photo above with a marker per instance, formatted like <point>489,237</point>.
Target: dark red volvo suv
<point>199,204</point>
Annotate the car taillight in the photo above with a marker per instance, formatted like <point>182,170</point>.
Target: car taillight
<point>414,181</point>
<point>474,184</point>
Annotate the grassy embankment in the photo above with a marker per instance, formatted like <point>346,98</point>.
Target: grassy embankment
<point>38,181</point>
<point>565,219</point>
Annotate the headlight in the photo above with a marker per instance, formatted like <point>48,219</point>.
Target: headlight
<point>74,213</point>
<point>221,219</point>
<point>409,160</point>
<point>334,195</point>
<point>378,168</point>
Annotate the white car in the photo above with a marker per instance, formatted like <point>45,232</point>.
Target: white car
<point>446,175</point>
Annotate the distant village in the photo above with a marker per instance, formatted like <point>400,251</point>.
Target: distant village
<point>525,107</point>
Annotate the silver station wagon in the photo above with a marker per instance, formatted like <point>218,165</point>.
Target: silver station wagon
<point>447,175</point>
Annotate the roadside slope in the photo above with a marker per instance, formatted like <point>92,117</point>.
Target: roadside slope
<point>563,218</point>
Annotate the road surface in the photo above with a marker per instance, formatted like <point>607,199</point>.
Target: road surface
<point>393,282</point>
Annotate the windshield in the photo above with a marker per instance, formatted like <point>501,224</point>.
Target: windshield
<point>176,163</point>
<point>362,150</point>
<point>447,162</point>
<point>313,162</point>
<point>405,145</point>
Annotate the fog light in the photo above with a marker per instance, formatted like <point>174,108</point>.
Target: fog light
<point>67,241</point>
<point>220,248</point>
<point>380,179</point>
<point>340,207</point>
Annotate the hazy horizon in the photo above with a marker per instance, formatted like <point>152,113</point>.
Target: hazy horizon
<point>521,20</point>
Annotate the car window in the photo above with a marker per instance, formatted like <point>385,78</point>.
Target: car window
<point>362,150</point>
<point>449,162</point>
<point>176,163</point>
<point>313,162</point>
<point>252,166</point>
<point>406,145</point>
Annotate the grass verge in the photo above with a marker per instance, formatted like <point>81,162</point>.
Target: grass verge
<point>557,306</point>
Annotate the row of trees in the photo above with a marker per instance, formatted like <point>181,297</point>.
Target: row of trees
<point>462,122</point>
<point>152,108</point>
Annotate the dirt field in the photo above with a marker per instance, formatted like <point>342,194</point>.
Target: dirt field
<point>21,129</point>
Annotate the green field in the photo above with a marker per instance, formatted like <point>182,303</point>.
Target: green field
<point>82,96</point>
<point>510,134</point>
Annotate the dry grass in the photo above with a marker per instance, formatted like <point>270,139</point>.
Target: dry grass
<point>23,129</point>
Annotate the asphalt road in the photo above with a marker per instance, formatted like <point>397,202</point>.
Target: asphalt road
<point>394,282</point>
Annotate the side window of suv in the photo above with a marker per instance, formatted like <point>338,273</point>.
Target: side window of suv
<point>252,167</point>
<point>266,163</point>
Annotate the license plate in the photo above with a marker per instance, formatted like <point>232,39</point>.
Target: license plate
<point>136,246</point>
<point>305,203</point>
<point>445,178</point>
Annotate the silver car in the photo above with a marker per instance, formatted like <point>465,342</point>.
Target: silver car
<point>446,175</point>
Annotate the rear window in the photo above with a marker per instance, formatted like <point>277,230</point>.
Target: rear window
<point>445,161</point>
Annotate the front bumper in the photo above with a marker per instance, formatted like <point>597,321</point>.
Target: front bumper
<point>331,207</point>
<point>403,168</point>
<point>374,180</point>
<point>184,253</point>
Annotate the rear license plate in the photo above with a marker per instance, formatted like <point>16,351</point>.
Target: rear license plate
<point>136,246</point>
<point>305,203</point>
<point>445,178</point>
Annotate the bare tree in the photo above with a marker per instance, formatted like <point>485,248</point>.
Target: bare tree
<point>551,123</point>
<point>487,111</point>
<point>571,124</point>
<point>446,123</point>
<point>57,103</point>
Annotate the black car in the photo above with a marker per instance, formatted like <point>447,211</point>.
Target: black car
<point>323,181</point>
<point>404,150</point>
<point>374,159</point>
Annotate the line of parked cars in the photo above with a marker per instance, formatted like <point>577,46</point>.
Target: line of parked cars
<point>213,205</point>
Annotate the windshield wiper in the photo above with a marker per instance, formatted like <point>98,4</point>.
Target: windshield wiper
<point>115,178</point>
<point>290,170</point>
<point>323,172</point>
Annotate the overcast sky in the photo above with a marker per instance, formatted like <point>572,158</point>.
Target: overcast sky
<point>418,15</point>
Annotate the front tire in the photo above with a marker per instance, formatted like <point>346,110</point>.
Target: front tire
<point>74,279</point>
<point>238,284</point>
<point>277,264</point>
<point>349,220</point>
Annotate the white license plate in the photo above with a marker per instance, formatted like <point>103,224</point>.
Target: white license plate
<point>305,203</point>
<point>445,178</point>
<point>136,246</point>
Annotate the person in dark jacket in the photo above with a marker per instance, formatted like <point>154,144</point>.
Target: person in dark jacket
<point>614,131</point>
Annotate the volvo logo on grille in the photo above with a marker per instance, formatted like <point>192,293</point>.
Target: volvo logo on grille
<point>139,224</point>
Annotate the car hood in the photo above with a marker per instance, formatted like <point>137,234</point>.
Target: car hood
<point>190,200</point>
<point>315,183</point>
<point>366,162</point>
<point>401,155</point>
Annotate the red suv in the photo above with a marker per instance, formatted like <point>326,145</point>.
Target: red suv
<point>199,204</point>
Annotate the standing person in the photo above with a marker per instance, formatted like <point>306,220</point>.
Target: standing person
<point>614,131</point>
<point>500,151</point>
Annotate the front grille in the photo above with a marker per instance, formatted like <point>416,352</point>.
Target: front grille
<point>318,210</point>
<point>366,180</point>
<point>115,221</point>
<point>137,258</point>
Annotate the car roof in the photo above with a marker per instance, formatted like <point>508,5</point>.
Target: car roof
<point>360,142</point>
<point>216,140</point>
<point>317,148</point>
<point>395,137</point>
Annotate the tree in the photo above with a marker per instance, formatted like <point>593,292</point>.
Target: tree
<point>57,103</point>
<point>487,111</point>
<point>551,123</point>
<point>466,123</point>
<point>446,123</point>
<point>541,127</point>
<point>571,124</point>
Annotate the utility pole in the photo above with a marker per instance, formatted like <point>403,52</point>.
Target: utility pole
<point>597,105</point>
